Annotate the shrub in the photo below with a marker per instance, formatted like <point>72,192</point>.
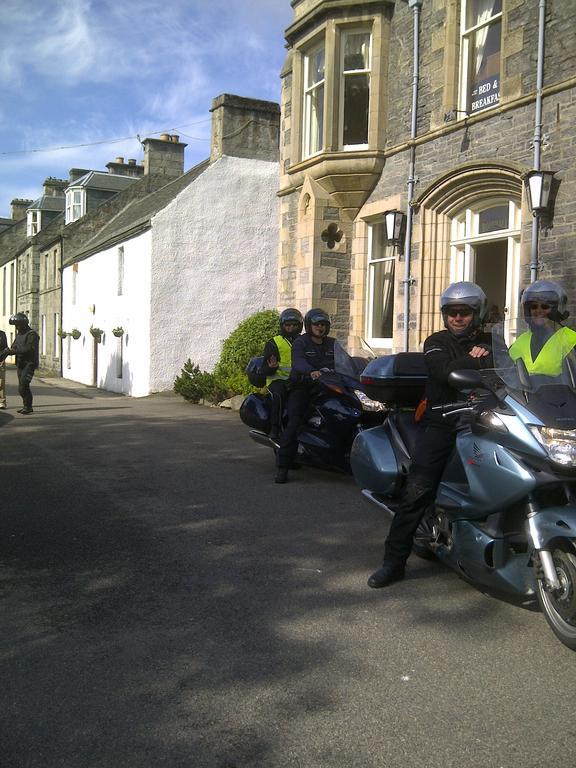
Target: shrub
<point>243,343</point>
<point>193,384</point>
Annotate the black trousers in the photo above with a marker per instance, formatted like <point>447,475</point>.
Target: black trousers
<point>433,449</point>
<point>279,392</point>
<point>296,407</point>
<point>25,374</point>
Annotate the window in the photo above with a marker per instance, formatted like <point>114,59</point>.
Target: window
<point>314,102</point>
<point>381,269</point>
<point>55,267</point>
<point>43,336</point>
<point>33,222</point>
<point>481,34</point>
<point>46,270</point>
<point>4,283</point>
<point>355,89</point>
<point>55,337</point>
<point>12,286</point>
<point>120,270</point>
<point>74,204</point>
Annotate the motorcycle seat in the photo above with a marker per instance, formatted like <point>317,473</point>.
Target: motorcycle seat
<point>408,429</point>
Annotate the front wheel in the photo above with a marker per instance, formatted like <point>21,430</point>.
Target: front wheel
<point>559,607</point>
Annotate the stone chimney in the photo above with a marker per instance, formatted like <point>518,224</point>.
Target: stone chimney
<point>54,187</point>
<point>76,173</point>
<point>244,127</point>
<point>120,168</point>
<point>164,156</point>
<point>19,207</point>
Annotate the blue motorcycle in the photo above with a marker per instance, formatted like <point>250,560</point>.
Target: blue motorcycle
<point>504,517</point>
<point>339,410</point>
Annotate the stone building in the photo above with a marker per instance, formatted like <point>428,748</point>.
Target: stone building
<point>349,146</point>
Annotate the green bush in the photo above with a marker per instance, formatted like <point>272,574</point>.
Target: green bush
<point>229,377</point>
<point>243,343</point>
<point>193,384</point>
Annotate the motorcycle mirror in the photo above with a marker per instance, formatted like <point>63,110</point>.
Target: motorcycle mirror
<point>465,380</point>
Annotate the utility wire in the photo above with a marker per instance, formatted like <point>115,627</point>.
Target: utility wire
<point>107,141</point>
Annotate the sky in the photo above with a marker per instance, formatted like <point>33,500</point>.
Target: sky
<point>102,72</point>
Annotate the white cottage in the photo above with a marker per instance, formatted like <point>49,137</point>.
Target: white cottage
<point>172,274</point>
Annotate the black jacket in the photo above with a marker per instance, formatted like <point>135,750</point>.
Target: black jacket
<point>445,353</point>
<point>26,349</point>
<point>308,356</point>
<point>3,341</point>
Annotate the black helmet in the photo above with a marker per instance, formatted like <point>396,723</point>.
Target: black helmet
<point>19,318</point>
<point>316,316</point>
<point>468,295</point>
<point>549,292</point>
<point>291,315</point>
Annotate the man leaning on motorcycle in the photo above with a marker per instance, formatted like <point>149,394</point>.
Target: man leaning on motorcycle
<point>461,345</point>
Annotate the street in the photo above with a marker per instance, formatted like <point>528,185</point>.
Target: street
<point>165,603</point>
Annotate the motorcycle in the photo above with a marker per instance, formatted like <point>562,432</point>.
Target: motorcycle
<point>339,409</point>
<point>504,516</point>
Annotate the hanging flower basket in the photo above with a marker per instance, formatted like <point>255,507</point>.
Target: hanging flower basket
<point>75,333</point>
<point>96,332</point>
<point>61,333</point>
<point>118,332</point>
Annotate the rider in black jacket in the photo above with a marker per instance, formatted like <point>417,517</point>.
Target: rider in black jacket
<point>461,345</point>
<point>26,348</point>
<point>312,355</point>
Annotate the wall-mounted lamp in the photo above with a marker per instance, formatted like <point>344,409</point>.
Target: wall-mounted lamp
<point>538,186</point>
<point>395,227</point>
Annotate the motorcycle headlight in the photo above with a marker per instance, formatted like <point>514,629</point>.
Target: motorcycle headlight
<point>367,403</point>
<point>560,444</point>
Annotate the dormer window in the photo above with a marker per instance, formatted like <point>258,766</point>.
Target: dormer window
<point>75,204</point>
<point>33,223</point>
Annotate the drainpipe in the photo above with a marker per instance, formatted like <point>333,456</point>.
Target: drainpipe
<point>538,133</point>
<point>416,5</point>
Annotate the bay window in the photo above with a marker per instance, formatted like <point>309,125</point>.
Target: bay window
<point>314,101</point>
<point>480,46</point>
<point>74,204</point>
<point>355,89</point>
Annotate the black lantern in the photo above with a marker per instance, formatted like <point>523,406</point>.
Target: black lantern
<point>395,227</point>
<point>538,184</point>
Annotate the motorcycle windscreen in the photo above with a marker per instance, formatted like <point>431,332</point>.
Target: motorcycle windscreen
<point>373,462</point>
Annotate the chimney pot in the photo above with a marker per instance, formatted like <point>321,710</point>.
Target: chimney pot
<point>119,160</point>
<point>132,161</point>
<point>164,137</point>
<point>175,138</point>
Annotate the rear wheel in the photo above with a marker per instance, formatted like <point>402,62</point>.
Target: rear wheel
<point>422,538</point>
<point>559,606</point>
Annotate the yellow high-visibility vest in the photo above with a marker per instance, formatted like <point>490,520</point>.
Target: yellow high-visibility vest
<point>285,362</point>
<point>550,358</point>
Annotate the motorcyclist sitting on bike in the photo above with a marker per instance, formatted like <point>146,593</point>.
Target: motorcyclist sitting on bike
<point>278,363</point>
<point>462,345</point>
<point>312,355</point>
<point>544,348</point>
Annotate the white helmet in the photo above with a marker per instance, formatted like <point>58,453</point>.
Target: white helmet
<point>549,292</point>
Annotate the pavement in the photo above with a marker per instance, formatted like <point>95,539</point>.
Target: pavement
<point>163,602</point>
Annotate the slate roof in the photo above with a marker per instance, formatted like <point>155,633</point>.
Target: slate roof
<point>49,203</point>
<point>136,215</point>
<point>99,180</point>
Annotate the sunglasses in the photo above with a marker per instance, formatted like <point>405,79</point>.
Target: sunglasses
<point>533,305</point>
<point>291,322</point>
<point>321,323</point>
<point>459,312</point>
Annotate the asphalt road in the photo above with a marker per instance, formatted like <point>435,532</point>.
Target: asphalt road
<point>162,602</point>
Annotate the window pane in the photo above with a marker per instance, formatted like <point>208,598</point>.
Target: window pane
<point>357,51</point>
<point>479,11</point>
<point>356,102</point>
<point>315,67</point>
<point>484,67</point>
<point>315,119</point>
<point>493,219</point>
<point>383,299</point>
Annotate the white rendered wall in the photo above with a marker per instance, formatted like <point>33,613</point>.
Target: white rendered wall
<point>214,260</point>
<point>99,305</point>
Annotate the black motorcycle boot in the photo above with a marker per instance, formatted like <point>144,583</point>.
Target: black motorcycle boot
<point>389,573</point>
<point>281,475</point>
